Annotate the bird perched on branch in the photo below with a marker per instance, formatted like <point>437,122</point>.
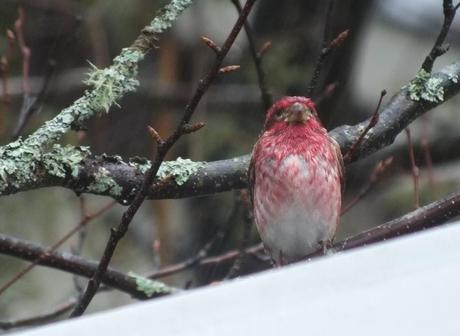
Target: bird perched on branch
<point>295,180</point>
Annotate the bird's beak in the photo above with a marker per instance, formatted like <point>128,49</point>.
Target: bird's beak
<point>298,113</point>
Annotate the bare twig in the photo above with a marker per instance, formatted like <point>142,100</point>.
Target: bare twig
<point>326,48</point>
<point>428,216</point>
<point>231,255</point>
<point>225,231</point>
<point>25,50</point>
<point>34,103</point>
<point>194,260</point>
<point>372,122</point>
<point>438,48</point>
<point>211,44</point>
<point>327,93</point>
<point>335,44</point>
<point>77,248</point>
<point>235,269</point>
<point>5,64</point>
<point>229,68</point>
<point>163,147</point>
<point>414,168</point>
<point>265,94</point>
<point>425,147</point>
<point>375,176</point>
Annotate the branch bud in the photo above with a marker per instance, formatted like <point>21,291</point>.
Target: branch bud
<point>267,45</point>
<point>187,129</point>
<point>210,43</point>
<point>229,68</point>
<point>155,136</point>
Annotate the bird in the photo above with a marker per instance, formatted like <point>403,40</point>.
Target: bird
<point>295,181</point>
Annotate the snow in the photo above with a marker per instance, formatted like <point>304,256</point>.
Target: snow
<point>406,286</point>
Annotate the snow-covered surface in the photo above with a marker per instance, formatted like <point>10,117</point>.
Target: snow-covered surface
<point>407,286</point>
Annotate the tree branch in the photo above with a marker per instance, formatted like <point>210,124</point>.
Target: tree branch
<point>438,48</point>
<point>70,263</point>
<point>18,159</point>
<point>224,175</point>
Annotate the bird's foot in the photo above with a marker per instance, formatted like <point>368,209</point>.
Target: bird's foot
<point>326,246</point>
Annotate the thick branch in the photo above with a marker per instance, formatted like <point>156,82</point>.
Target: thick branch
<point>224,175</point>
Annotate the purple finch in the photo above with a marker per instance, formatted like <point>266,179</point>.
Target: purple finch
<point>295,181</point>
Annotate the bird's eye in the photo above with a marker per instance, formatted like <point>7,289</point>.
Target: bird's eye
<point>279,114</point>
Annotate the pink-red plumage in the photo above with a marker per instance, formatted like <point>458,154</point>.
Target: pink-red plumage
<point>295,181</point>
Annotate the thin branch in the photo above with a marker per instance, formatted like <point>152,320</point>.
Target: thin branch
<point>235,269</point>
<point>431,215</point>
<point>425,148</point>
<point>194,260</point>
<point>434,214</point>
<point>25,50</point>
<point>5,65</point>
<point>335,44</point>
<point>438,48</point>
<point>265,94</point>
<point>34,103</point>
<point>372,122</point>
<point>117,233</point>
<point>326,48</point>
<point>374,178</point>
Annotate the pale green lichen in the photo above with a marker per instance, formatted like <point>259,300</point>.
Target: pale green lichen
<point>104,183</point>
<point>16,165</point>
<point>453,77</point>
<point>140,163</point>
<point>109,84</point>
<point>19,163</point>
<point>19,159</point>
<point>180,169</point>
<point>148,286</point>
<point>61,160</point>
<point>425,87</point>
<point>166,16</point>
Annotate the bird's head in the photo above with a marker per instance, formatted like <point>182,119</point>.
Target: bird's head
<point>288,111</point>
